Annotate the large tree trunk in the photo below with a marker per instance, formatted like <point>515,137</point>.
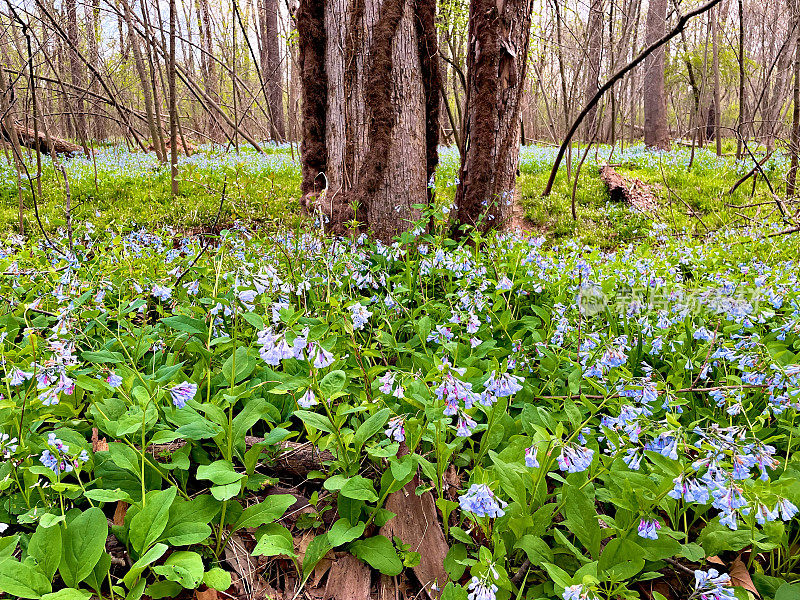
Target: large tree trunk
<point>498,48</point>
<point>94,35</point>
<point>375,137</point>
<point>271,67</point>
<point>594,50</point>
<point>794,145</point>
<point>656,133</point>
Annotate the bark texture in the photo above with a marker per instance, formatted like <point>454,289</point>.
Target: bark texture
<point>656,132</point>
<point>271,66</point>
<point>594,50</point>
<point>314,95</point>
<point>498,48</point>
<point>376,132</point>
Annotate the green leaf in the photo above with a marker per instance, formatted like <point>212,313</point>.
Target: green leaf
<point>45,548</point>
<point>149,523</point>
<point>558,575</point>
<point>788,592</point>
<point>359,488</point>
<point>149,557</point>
<point>217,579</point>
<point>371,426</point>
<point>68,594</point>
<point>186,324</point>
<point>125,457</point>
<point>582,518</point>
<point>453,562</point>
<point>535,548</point>
<point>163,589</point>
<point>225,492</point>
<point>84,542</point>
<point>98,575</point>
<point>99,495</point>
<point>344,533</point>
<point>22,580</point>
<point>621,559</point>
<point>183,567</point>
<point>188,520</point>
<point>379,553</point>
<point>315,420</point>
<point>102,356</point>
<point>275,541</point>
<point>332,382</point>
<point>245,364</point>
<point>315,552</point>
<point>271,509</point>
<point>220,472</point>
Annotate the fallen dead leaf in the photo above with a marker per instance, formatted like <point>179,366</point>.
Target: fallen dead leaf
<point>349,579</point>
<point>206,594</point>
<point>120,512</point>
<point>740,576</point>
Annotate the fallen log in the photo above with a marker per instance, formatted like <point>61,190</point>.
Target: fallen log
<point>636,193</point>
<point>28,139</point>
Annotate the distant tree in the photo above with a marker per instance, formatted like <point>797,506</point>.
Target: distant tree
<point>594,49</point>
<point>656,131</point>
<point>271,66</point>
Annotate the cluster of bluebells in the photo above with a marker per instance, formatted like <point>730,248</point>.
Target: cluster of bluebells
<point>182,393</point>
<point>712,585</point>
<point>58,458</point>
<point>481,501</point>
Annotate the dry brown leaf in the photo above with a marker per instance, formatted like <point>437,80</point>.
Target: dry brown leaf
<point>349,579</point>
<point>120,512</point>
<point>740,576</point>
<point>417,524</point>
<point>715,560</point>
<point>98,445</point>
<point>206,594</point>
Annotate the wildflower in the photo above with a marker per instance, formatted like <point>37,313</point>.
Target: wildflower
<point>182,393</point>
<point>18,376</point>
<point>480,589</point>
<point>480,500</point>
<point>504,284</point>
<point>712,586</point>
<point>8,445</point>
<point>577,592</point>
<point>3,527</point>
<point>649,529</point>
<point>396,429</point>
<point>360,315</point>
<point>161,292</point>
<point>465,425</point>
<point>575,460</point>
<point>786,508</point>
<point>307,400</point>
<point>114,380</point>
<point>320,357</point>
<point>530,458</point>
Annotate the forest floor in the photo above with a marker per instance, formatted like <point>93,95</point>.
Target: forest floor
<point>210,404</point>
<point>116,188</point>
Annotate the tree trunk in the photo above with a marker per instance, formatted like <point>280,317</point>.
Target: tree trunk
<point>271,67</point>
<point>594,50</point>
<point>76,68</point>
<point>717,104</point>
<point>173,102</point>
<point>375,137</point>
<point>209,68</point>
<point>94,35</point>
<point>742,108</point>
<point>656,133</point>
<point>499,35</point>
<point>794,146</point>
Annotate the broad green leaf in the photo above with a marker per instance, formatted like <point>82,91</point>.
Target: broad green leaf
<point>84,542</point>
<point>359,488</point>
<point>186,324</point>
<point>220,472</point>
<point>621,560</point>
<point>271,509</point>
<point>183,567</point>
<point>315,552</point>
<point>45,548</point>
<point>343,533</point>
<point>315,420</point>
<point>68,594</point>
<point>274,541</point>
<point>371,426</point>
<point>217,579</point>
<point>379,553</point>
<point>535,548</point>
<point>149,523</point>
<point>22,580</point>
<point>582,518</point>
<point>332,382</point>
<point>149,557</point>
